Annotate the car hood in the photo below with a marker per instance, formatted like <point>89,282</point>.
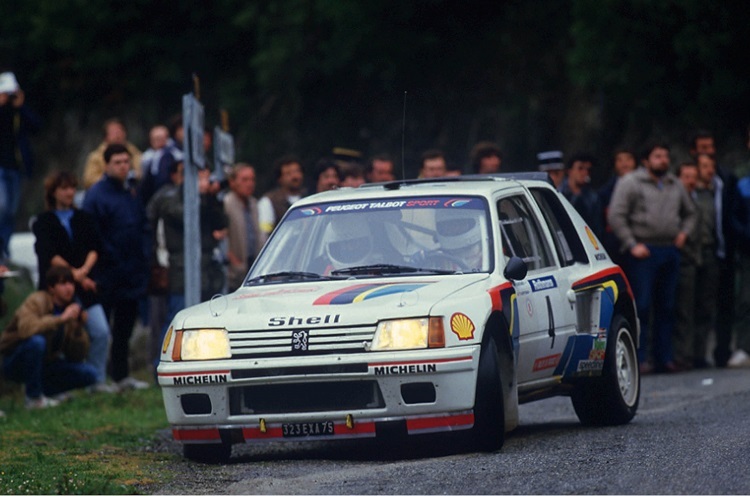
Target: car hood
<point>334,303</point>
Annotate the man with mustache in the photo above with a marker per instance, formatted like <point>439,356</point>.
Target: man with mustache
<point>274,204</point>
<point>652,215</point>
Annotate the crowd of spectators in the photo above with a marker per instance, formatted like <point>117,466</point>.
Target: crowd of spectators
<point>117,255</point>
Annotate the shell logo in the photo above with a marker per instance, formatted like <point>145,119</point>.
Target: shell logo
<point>592,238</point>
<point>462,326</point>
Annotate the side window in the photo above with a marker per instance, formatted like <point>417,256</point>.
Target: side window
<point>567,243</point>
<point>522,235</point>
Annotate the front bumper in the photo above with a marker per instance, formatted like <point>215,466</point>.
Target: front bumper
<point>320,397</point>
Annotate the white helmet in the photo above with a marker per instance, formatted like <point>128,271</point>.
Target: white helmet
<point>348,240</point>
<point>457,228</point>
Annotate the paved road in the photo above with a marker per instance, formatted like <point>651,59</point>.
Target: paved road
<point>691,436</point>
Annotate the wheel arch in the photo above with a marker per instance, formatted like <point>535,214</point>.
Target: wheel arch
<point>625,306</point>
<point>498,328</point>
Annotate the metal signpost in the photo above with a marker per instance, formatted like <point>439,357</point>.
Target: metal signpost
<point>192,124</point>
<point>223,147</point>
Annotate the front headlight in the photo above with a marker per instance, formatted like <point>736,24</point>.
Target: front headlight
<point>203,344</point>
<point>408,334</point>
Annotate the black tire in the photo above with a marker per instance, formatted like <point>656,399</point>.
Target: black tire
<point>613,398</point>
<point>208,453</point>
<point>488,433</point>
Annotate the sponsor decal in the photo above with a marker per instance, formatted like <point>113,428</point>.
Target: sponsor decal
<point>299,340</point>
<point>378,205</point>
<point>309,321</point>
<point>600,256</point>
<point>590,365</point>
<point>362,292</point>
<point>191,380</point>
<point>357,206</point>
<point>599,348</point>
<point>504,299</point>
<point>529,308</point>
<point>543,283</point>
<point>394,204</point>
<point>403,369</point>
<point>500,294</point>
<point>456,203</point>
<point>418,367</point>
<point>462,326</point>
<point>546,362</point>
<point>592,238</point>
<point>612,278</point>
<point>423,203</point>
<point>311,211</point>
<point>277,292</point>
<point>596,354</point>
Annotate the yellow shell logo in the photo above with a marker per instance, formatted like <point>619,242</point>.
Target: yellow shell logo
<point>592,238</point>
<point>462,326</point>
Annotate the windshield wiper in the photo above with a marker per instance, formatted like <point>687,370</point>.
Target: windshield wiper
<point>379,269</point>
<point>285,276</point>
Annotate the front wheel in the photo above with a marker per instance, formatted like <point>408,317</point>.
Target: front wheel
<point>488,433</point>
<point>613,398</point>
<point>208,453</point>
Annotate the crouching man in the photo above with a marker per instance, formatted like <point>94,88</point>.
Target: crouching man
<point>44,346</point>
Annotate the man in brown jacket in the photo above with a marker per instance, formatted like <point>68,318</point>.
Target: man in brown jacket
<point>244,238</point>
<point>33,344</point>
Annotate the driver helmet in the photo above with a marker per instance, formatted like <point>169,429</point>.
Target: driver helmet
<point>348,241</point>
<point>457,229</point>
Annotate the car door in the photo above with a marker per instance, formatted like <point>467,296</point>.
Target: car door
<point>546,316</point>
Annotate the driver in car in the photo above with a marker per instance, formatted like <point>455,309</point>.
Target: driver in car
<point>349,243</point>
<point>460,238</point>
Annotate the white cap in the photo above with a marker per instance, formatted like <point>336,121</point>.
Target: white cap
<point>550,161</point>
<point>8,83</point>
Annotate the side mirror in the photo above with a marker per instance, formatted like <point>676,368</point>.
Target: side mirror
<point>515,269</point>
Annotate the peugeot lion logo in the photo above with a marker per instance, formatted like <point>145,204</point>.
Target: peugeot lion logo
<point>299,340</point>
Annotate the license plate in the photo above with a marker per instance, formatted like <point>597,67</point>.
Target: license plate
<point>304,429</point>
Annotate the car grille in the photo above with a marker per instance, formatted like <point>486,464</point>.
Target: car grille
<point>305,397</point>
<point>299,342</point>
<point>352,368</point>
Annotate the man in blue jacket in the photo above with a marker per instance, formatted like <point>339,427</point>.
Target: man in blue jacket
<point>17,123</point>
<point>123,264</point>
<point>576,188</point>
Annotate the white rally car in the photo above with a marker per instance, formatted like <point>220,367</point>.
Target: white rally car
<point>407,307</point>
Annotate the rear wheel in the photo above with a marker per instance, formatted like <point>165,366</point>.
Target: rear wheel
<point>208,453</point>
<point>613,398</point>
<point>488,433</point>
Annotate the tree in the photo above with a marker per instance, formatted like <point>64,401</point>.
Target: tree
<point>663,66</point>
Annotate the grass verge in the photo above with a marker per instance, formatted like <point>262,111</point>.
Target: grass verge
<point>91,444</point>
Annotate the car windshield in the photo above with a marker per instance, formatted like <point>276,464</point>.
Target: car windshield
<point>379,237</point>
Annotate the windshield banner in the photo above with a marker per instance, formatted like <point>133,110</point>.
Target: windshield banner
<point>438,202</point>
